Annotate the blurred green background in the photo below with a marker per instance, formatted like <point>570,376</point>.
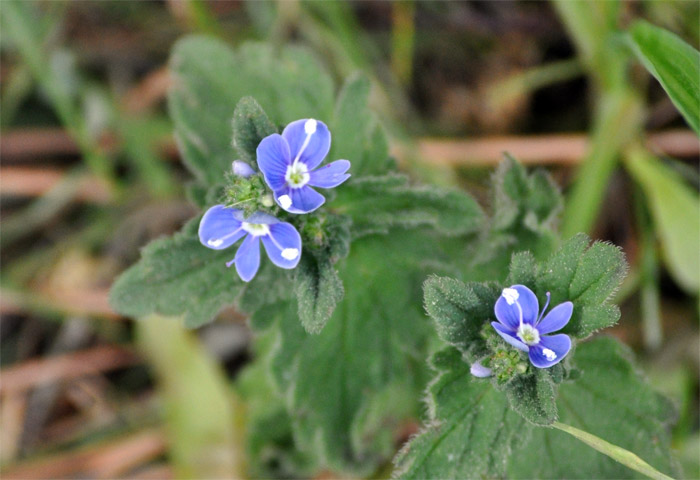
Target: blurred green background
<point>90,174</point>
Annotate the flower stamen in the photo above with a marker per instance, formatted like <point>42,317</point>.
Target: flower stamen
<point>310,128</point>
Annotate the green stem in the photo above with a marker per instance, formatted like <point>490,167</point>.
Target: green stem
<point>617,122</point>
<point>618,454</point>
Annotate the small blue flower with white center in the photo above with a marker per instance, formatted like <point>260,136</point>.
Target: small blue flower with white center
<point>288,162</point>
<point>522,325</point>
<point>222,226</point>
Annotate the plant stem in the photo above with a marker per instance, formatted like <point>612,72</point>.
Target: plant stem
<point>618,454</point>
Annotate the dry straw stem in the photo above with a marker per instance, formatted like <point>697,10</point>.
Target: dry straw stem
<point>26,375</point>
<point>109,460</point>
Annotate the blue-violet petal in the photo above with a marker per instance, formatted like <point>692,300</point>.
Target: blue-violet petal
<point>247,258</point>
<point>551,350</point>
<point>330,175</point>
<point>219,227</point>
<point>319,141</point>
<point>273,159</point>
<point>283,245</point>
<point>556,319</point>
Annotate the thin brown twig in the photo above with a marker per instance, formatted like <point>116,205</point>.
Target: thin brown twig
<point>108,460</point>
<point>567,149</point>
<point>18,378</point>
<point>34,182</point>
<point>563,149</point>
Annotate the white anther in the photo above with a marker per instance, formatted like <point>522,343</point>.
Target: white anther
<point>549,354</point>
<point>511,295</point>
<point>290,253</point>
<point>285,201</point>
<point>310,126</point>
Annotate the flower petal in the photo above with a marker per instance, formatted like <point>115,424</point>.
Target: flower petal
<point>283,245</point>
<point>330,175</point>
<point>550,351</point>
<point>219,227</point>
<point>242,169</point>
<point>318,145</point>
<point>273,158</point>
<point>247,258</point>
<point>509,314</point>
<point>509,336</point>
<point>299,200</point>
<point>556,319</point>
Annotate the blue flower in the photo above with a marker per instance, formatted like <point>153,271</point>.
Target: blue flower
<point>222,226</point>
<point>520,323</point>
<point>288,162</point>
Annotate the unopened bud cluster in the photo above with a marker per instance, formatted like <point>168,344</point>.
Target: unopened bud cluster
<point>249,194</point>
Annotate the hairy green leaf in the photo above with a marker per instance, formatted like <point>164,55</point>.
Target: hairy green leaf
<point>471,429</point>
<point>342,385</point>
<point>459,311</point>
<point>525,208</point>
<point>178,276</point>
<point>377,204</point>
<point>318,289</point>
<point>674,63</point>
<point>473,433</point>
<point>586,276</point>
<point>610,400</point>
<point>250,126</point>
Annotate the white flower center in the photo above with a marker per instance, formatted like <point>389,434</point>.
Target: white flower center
<point>297,175</point>
<point>256,229</point>
<point>549,354</point>
<point>528,334</point>
<point>511,295</point>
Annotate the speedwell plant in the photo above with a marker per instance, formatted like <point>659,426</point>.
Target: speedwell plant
<point>342,343</point>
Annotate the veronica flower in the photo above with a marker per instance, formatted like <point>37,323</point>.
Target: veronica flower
<point>222,226</point>
<point>520,323</point>
<point>288,162</point>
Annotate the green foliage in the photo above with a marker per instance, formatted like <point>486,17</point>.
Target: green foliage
<point>674,206</point>
<point>674,63</point>
<point>462,313</point>
<point>177,276</point>
<point>525,208</point>
<point>453,304</point>
<point>270,442</point>
<point>610,400</point>
<point>471,430</point>
<point>350,387</point>
<point>586,276</point>
<point>208,81</point>
<point>203,431</point>
<point>473,433</point>
<point>362,139</point>
<point>250,126</point>
<point>377,204</point>
<point>317,286</point>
